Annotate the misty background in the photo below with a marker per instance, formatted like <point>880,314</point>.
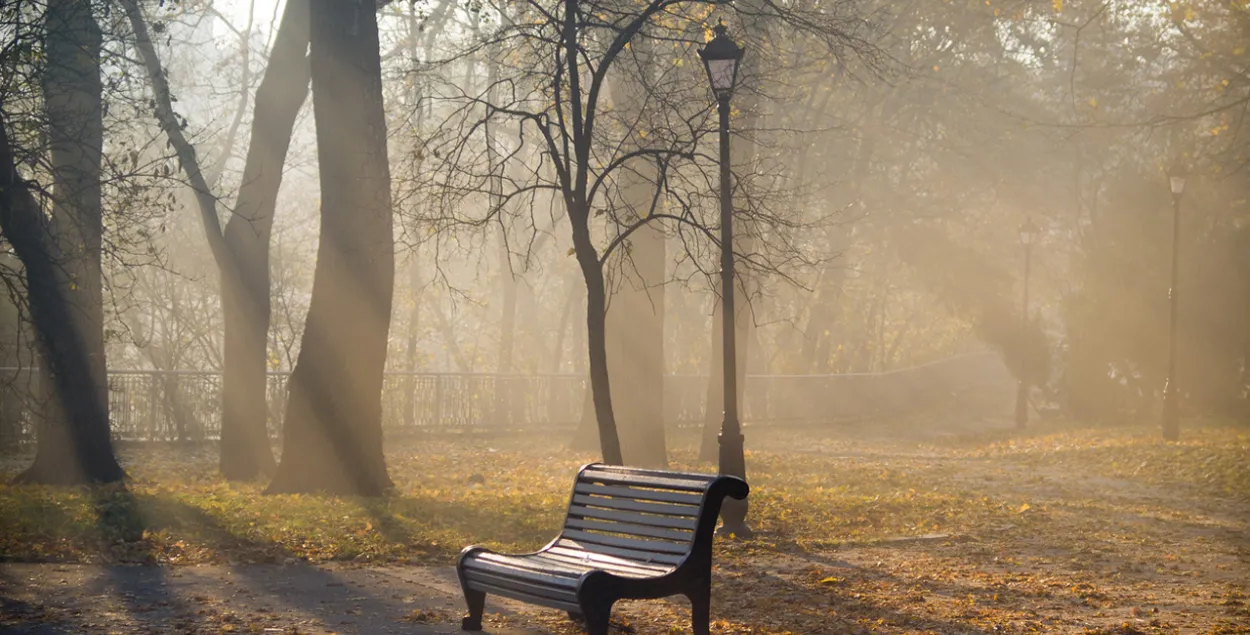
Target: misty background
<point>882,198</point>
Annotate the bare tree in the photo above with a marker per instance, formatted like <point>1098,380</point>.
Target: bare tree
<point>241,250</point>
<point>586,144</point>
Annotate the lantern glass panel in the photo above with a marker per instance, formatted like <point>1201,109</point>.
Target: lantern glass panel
<point>1178,184</point>
<point>721,72</point>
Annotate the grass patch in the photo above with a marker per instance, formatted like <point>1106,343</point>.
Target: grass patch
<point>177,510</point>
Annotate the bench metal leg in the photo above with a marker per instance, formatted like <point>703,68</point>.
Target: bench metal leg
<point>477,605</point>
<point>700,611</point>
<point>597,618</point>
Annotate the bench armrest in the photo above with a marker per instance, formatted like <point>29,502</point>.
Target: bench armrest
<point>731,486</point>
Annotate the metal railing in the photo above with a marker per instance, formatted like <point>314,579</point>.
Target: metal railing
<point>147,405</point>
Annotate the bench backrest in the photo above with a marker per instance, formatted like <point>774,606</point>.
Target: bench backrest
<point>646,516</point>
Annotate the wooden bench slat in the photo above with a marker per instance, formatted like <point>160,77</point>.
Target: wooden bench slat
<point>618,566</point>
<point>565,564</point>
<point>621,469</point>
<point>620,478</point>
<point>522,568</point>
<point>589,559</point>
<point>668,522</point>
<point>573,547</point>
<point>632,529</point>
<point>628,554</point>
<point>638,493</point>
<point>529,560</point>
<point>569,549</point>
<point>636,544</point>
<point>685,511</point>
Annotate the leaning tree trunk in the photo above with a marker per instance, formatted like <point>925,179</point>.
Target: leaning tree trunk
<point>332,437</point>
<point>596,337</point>
<point>635,318</point>
<point>63,273</point>
<point>245,302</point>
<point>634,336</point>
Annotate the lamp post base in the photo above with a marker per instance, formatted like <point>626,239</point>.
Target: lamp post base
<point>733,512</point>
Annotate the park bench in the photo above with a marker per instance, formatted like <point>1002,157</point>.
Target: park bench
<point>628,534</point>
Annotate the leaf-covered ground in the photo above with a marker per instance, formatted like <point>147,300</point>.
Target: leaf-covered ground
<point>877,529</point>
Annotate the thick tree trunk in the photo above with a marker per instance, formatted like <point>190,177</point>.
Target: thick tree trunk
<point>635,319</point>
<point>333,430</point>
<point>63,271</point>
<point>245,301</point>
<point>72,92</point>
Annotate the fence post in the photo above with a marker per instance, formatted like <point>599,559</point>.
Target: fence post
<point>410,400</point>
<point>153,400</point>
<point>438,402</point>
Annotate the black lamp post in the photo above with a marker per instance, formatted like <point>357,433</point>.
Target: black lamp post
<point>1028,232</point>
<point>1171,407</point>
<point>720,58</point>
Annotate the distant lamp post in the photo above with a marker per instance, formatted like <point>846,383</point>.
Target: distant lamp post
<point>721,57</point>
<point>1028,234</point>
<point>1171,405</point>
